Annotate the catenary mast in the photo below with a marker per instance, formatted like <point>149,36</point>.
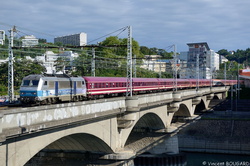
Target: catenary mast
<point>129,63</point>
<point>10,67</point>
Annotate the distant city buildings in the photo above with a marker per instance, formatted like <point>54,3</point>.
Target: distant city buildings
<point>2,37</point>
<point>49,59</point>
<point>153,63</point>
<point>79,39</point>
<point>200,54</point>
<point>29,41</point>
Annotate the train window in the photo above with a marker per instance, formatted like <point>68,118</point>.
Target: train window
<point>83,82</point>
<point>64,84</point>
<point>51,84</point>
<point>34,82</point>
<point>78,84</point>
<point>26,82</point>
<point>93,85</point>
<point>45,83</point>
<point>107,85</point>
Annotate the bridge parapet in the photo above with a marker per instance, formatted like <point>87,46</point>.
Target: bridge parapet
<point>31,119</point>
<point>155,99</point>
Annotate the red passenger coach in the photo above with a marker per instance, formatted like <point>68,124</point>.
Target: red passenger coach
<point>115,86</point>
<point>105,85</point>
<point>118,85</point>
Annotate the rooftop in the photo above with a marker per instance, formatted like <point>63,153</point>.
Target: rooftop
<point>199,43</point>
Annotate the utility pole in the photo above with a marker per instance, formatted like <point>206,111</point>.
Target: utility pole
<point>93,62</point>
<point>10,67</point>
<point>129,91</point>
<point>175,70</point>
<point>197,71</point>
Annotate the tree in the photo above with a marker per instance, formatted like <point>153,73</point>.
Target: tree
<point>231,70</point>
<point>42,41</point>
<point>22,68</point>
<point>223,52</point>
<point>81,66</point>
<point>61,63</point>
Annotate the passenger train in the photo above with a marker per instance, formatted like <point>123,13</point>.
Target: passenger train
<point>47,89</point>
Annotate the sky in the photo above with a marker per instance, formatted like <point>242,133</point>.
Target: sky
<point>223,24</point>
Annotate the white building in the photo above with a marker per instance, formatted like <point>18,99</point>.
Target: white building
<point>223,59</point>
<point>152,62</point>
<point>2,37</point>
<point>208,61</point>
<point>29,41</point>
<point>49,58</point>
<point>79,39</point>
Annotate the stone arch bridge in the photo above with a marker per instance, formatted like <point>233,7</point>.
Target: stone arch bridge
<point>109,129</point>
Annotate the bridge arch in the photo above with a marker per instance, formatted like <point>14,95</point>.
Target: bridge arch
<point>81,143</point>
<point>151,119</point>
<point>137,139</point>
<point>182,112</point>
<point>74,134</point>
<point>201,106</point>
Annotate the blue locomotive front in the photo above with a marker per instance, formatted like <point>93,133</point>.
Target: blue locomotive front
<point>45,89</point>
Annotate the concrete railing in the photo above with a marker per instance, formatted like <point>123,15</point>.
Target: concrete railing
<point>31,119</point>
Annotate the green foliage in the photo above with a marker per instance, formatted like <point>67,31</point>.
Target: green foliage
<point>240,56</point>
<point>3,90</point>
<point>42,41</point>
<point>223,52</point>
<point>61,63</point>
<point>3,51</point>
<point>82,66</point>
<point>22,68</point>
<point>155,51</point>
<point>232,69</point>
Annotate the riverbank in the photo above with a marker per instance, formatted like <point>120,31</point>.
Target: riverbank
<point>217,132</point>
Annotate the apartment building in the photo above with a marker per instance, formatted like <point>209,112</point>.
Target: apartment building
<point>201,57</point>
<point>2,37</point>
<point>79,39</point>
<point>29,41</point>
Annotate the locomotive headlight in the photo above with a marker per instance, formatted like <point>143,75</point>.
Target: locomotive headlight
<point>34,93</point>
<point>23,93</point>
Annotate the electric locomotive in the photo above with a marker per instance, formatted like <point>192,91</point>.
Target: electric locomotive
<point>46,89</point>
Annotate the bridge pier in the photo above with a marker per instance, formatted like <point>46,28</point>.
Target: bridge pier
<point>169,145</point>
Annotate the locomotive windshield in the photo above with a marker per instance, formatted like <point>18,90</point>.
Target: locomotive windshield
<point>30,82</point>
<point>26,82</point>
